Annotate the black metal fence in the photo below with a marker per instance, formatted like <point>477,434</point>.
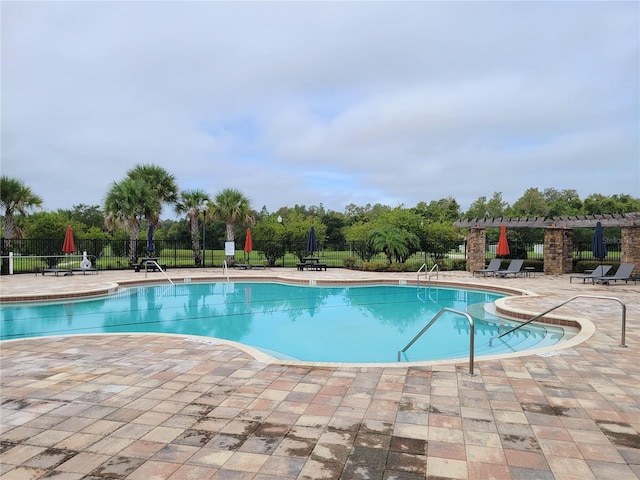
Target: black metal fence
<point>30,255</point>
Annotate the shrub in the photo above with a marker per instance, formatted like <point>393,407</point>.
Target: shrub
<point>349,262</point>
<point>374,266</point>
<point>538,265</point>
<point>582,265</point>
<point>456,264</point>
<point>400,267</point>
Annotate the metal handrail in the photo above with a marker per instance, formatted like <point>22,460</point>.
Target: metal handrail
<point>427,274</point>
<point>226,270</point>
<point>624,315</point>
<point>153,262</point>
<point>435,267</point>
<point>424,266</point>
<point>438,315</point>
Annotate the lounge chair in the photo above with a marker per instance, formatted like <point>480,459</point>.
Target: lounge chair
<point>600,271</point>
<point>514,268</point>
<point>492,268</point>
<point>84,270</point>
<point>57,271</point>
<point>623,273</point>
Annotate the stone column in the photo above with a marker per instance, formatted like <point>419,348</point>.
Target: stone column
<point>630,246</point>
<point>476,248</point>
<point>558,251</point>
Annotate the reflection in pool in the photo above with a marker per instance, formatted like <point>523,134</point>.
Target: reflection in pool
<point>310,323</point>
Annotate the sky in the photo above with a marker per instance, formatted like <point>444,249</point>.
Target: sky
<point>322,103</point>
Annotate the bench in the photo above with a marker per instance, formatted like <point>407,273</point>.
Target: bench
<point>257,265</point>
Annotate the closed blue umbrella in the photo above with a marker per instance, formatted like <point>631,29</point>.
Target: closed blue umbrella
<point>599,249</point>
<point>312,243</point>
<point>150,246</point>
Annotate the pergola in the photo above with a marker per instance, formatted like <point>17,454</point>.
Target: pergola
<point>558,237</point>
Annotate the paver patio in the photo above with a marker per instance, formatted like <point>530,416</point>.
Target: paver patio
<point>150,407</point>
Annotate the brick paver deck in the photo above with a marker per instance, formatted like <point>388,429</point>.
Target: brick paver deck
<point>172,407</point>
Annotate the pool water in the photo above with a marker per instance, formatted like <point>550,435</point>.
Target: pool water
<point>351,324</point>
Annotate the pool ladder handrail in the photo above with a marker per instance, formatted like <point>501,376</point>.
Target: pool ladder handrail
<point>225,269</point>
<point>153,262</point>
<point>624,315</point>
<point>427,274</point>
<point>438,315</point>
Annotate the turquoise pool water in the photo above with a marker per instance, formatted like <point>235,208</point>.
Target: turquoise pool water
<point>309,323</point>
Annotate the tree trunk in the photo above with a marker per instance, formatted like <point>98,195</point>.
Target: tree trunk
<point>133,244</point>
<point>9,229</point>
<point>195,241</point>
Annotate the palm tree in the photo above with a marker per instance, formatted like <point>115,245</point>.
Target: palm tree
<point>393,241</point>
<point>128,202</point>
<point>163,187</point>
<point>233,207</point>
<point>193,203</point>
<point>15,196</point>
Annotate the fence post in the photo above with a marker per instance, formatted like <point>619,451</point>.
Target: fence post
<point>10,263</point>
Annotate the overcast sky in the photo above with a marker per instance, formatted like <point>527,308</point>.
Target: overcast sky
<point>323,103</point>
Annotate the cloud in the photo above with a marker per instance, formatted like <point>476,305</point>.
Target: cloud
<point>333,103</point>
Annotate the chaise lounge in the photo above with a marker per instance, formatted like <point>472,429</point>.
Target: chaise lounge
<point>492,268</point>
<point>600,271</point>
<point>623,273</point>
<point>57,271</point>
<point>84,270</point>
<point>514,268</point>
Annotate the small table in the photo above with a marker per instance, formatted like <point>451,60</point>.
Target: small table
<point>146,262</point>
<point>529,271</point>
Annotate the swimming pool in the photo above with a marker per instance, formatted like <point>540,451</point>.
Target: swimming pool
<point>353,324</point>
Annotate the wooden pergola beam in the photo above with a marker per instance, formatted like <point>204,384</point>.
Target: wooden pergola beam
<point>571,221</point>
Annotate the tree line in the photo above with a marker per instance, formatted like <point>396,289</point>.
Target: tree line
<point>134,205</point>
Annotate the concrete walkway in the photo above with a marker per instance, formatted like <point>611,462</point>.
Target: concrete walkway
<point>173,407</point>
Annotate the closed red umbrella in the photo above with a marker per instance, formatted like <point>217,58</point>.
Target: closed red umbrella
<point>69,245</point>
<point>503,245</point>
<point>248,243</point>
